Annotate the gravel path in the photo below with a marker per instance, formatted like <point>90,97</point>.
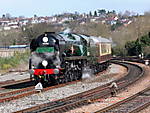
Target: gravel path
<point>147,110</point>
<point>102,103</point>
<point>114,72</point>
<point>14,76</point>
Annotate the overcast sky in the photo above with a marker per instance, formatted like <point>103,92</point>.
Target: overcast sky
<point>50,7</point>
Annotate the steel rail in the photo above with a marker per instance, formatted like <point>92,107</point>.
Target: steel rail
<point>69,103</point>
<point>132,104</point>
<point>27,91</point>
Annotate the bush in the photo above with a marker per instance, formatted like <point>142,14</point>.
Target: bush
<point>6,66</point>
<point>139,46</point>
<point>12,62</point>
<point>119,51</point>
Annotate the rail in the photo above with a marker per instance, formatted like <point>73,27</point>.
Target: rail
<point>87,97</point>
<point>132,104</point>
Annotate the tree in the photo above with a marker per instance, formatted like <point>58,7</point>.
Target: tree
<point>3,16</point>
<point>8,16</point>
<point>126,14</point>
<point>146,51</point>
<point>35,16</point>
<point>119,51</point>
<point>113,11</point>
<point>137,47</point>
<point>145,40</point>
<point>130,47</point>
<point>32,32</point>
<point>76,13</point>
<point>102,11</point>
<point>120,14</point>
<point>147,13</point>
<point>95,13</point>
<point>21,16</point>
<point>90,14</point>
<point>115,26</point>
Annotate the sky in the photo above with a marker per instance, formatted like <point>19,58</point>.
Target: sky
<point>28,8</point>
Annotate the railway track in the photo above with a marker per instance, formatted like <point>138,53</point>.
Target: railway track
<point>8,96</point>
<point>26,90</point>
<point>12,95</point>
<point>132,104</point>
<point>13,82</point>
<point>72,102</point>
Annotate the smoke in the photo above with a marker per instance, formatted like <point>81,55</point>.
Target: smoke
<point>86,73</point>
<point>36,59</point>
<point>66,31</point>
<point>52,57</point>
<point>57,61</point>
<point>48,55</point>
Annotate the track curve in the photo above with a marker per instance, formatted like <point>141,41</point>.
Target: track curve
<point>66,104</point>
<point>131,104</point>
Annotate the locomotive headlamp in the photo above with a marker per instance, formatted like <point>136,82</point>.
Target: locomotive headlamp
<point>44,63</point>
<point>45,39</point>
<point>56,71</point>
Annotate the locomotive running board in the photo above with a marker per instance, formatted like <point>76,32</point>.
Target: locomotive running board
<point>75,58</point>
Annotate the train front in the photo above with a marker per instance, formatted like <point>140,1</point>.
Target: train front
<point>44,63</point>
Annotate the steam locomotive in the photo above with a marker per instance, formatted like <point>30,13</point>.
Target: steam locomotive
<point>63,57</point>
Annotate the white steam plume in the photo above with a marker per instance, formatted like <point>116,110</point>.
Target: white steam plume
<point>36,59</point>
<point>68,30</point>
<point>54,57</point>
<point>86,73</point>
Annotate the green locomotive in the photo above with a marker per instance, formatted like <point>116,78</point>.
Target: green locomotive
<point>63,57</point>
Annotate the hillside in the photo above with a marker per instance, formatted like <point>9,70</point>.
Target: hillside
<point>139,26</point>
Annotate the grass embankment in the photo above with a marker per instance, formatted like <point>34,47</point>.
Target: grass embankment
<point>13,62</point>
